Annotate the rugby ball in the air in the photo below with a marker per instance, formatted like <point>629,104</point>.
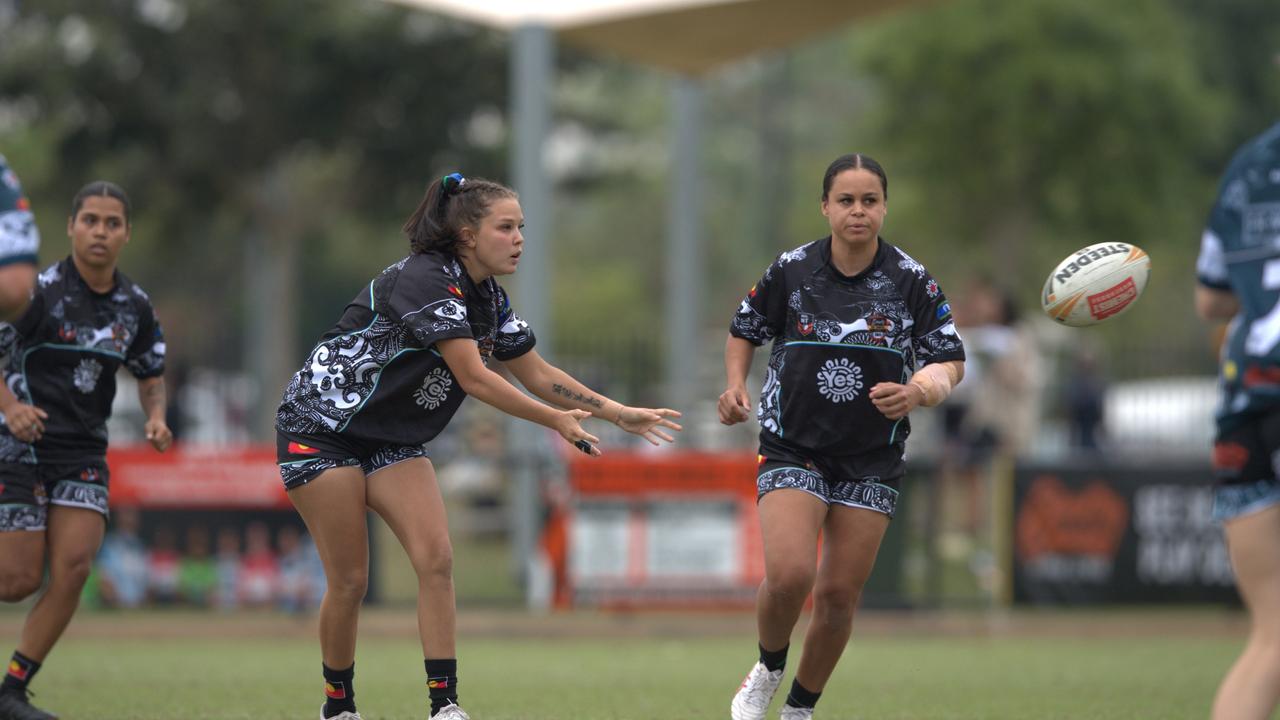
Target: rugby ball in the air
<point>1095,283</point>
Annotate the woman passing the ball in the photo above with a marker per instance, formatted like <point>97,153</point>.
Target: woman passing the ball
<point>354,421</point>
<point>851,318</point>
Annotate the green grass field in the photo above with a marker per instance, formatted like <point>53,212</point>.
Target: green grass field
<point>1074,665</point>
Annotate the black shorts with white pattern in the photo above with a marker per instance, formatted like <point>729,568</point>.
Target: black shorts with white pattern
<point>869,480</point>
<point>27,490</point>
<point>303,457</point>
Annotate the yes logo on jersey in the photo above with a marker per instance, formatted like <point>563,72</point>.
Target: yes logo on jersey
<point>434,390</point>
<point>839,380</point>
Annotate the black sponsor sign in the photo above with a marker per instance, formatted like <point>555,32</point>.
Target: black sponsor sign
<point>1118,534</point>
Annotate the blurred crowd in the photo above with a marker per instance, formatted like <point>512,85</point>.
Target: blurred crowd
<point>234,567</point>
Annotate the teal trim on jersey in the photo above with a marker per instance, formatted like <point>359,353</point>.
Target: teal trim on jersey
<point>893,433</point>
<point>80,348</point>
<point>22,368</point>
<point>374,389</point>
<point>298,462</point>
<point>371,307</point>
<point>844,345</point>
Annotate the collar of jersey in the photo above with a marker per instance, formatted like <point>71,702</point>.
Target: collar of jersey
<point>825,250</point>
<point>70,270</point>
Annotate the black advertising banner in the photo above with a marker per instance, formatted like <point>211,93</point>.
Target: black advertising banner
<point>1111,534</point>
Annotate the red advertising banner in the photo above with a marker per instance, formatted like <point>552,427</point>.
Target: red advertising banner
<point>186,477</point>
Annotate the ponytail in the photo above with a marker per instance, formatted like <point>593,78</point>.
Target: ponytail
<point>450,204</point>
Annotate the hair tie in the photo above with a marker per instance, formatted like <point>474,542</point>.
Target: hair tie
<point>451,183</point>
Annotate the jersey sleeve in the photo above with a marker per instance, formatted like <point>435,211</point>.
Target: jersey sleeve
<point>1223,227</point>
<point>763,312</point>
<point>933,336</point>
<point>145,358</point>
<point>514,337</point>
<point>19,239</point>
<point>429,302</point>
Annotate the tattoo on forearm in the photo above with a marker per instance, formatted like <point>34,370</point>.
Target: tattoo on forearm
<point>593,401</point>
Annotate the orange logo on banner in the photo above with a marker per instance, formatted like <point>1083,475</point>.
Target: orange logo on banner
<point>1057,520</point>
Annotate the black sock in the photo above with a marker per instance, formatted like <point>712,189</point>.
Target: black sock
<point>442,683</point>
<point>339,690</point>
<point>800,697</point>
<point>21,670</point>
<point>774,660</point>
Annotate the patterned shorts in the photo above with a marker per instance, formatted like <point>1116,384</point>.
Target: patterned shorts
<point>303,457</point>
<point>1246,464</point>
<point>27,490</point>
<point>868,481</point>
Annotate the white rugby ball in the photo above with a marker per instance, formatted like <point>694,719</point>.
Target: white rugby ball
<point>1095,283</point>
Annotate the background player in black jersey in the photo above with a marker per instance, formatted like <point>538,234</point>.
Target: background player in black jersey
<point>19,242</point>
<point>1238,275</point>
<point>386,380</point>
<point>85,320</point>
<point>851,317</point>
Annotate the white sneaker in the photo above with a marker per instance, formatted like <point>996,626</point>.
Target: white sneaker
<point>753,698</point>
<point>345,715</point>
<point>795,713</point>
<point>451,712</point>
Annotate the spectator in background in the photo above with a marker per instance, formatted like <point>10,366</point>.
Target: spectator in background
<point>162,567</point>
<point>1004,412</point>
<point>295,574</point>
<point>259,568</point>
<point>197,572</point>
<point>999,410</point>
<point>1084,392</point>
<point>226,595</point>
<point>122,562</point>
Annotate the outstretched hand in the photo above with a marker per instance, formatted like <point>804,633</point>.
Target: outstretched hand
<point>648,423</point>
<point>569,425</point>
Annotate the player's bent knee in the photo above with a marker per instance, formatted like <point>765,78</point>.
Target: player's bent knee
<point>435,565</point>
<point>836,605</point>
<point>349,586</point>
<point>790,583</point>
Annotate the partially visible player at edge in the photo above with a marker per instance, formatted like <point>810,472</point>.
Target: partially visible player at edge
<point>1238,275</point>
<point>19,243</point>
<point>851,317</point>
<point>386,380</point>
<point>85,321</point>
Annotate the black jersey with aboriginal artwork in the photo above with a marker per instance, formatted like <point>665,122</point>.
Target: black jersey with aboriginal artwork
<point>377,376</point>
<point>62,356</point>
<point>835,337</point>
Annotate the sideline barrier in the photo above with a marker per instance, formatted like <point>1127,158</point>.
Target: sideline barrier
<point>656,530</point>
<point>1117,533</point>
<point>187,478</point>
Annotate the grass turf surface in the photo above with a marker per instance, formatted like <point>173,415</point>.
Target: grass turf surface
<point>125,667</point>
